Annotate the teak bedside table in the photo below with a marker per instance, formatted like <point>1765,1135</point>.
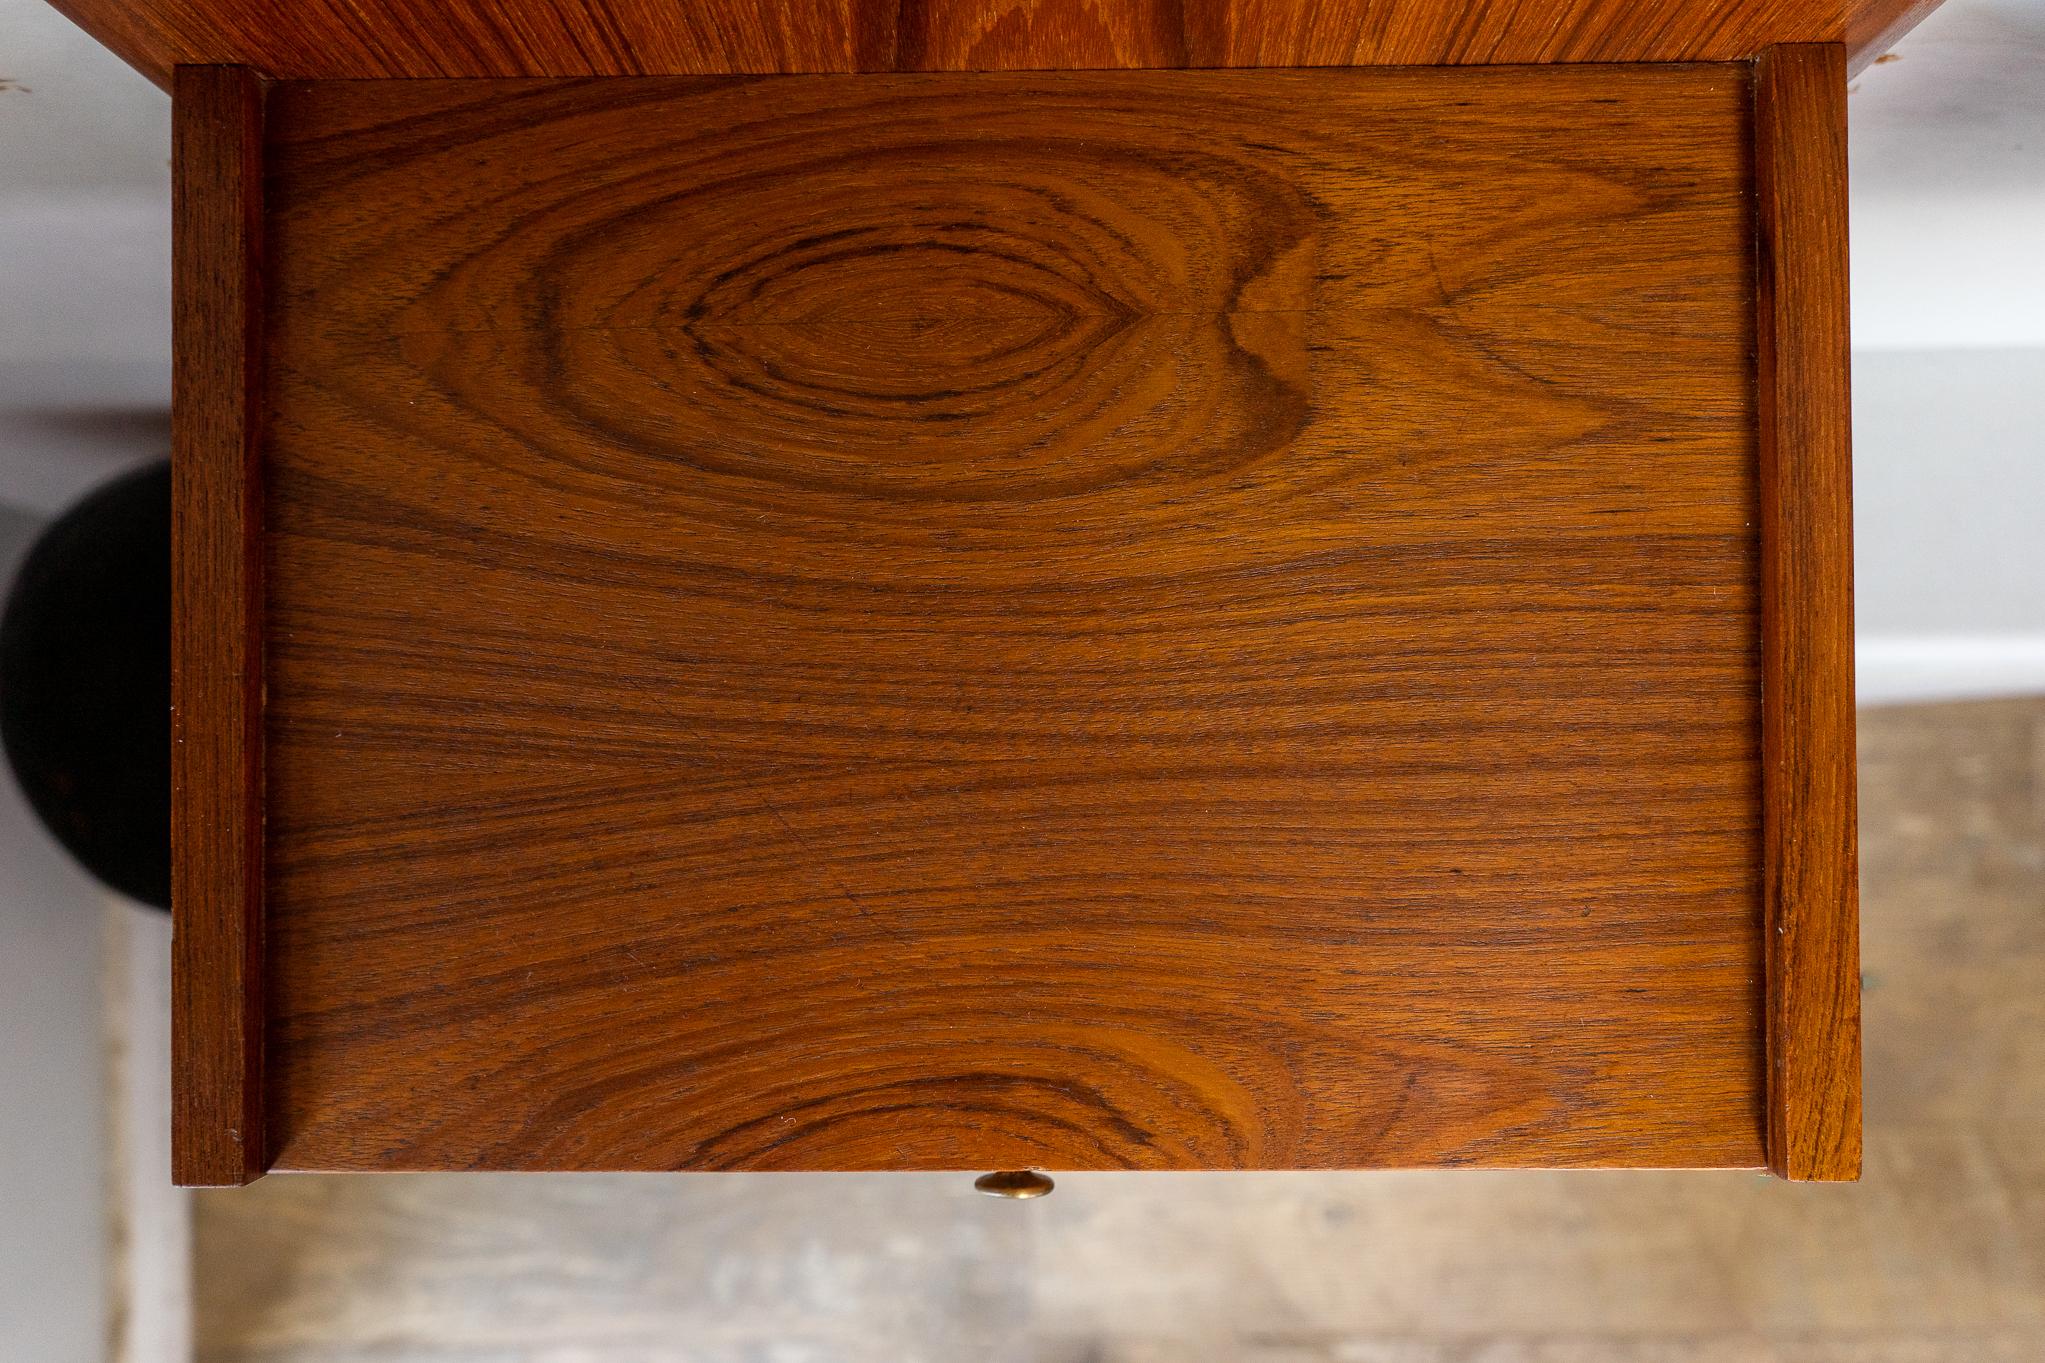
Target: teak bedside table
<point>1149,619</point>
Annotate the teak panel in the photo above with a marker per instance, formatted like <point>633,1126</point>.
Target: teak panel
<point>329,39</point>
<point>216,631</point>
<point>1807,615</point>
<point>1170,620</point>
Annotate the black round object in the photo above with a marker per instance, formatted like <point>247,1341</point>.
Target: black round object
<point>85,682</point>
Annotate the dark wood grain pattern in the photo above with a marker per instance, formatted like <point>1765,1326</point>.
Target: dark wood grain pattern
<point>1160,621</point>
<point>1807,615</point>
<point>216,623</point>
<point>426,38</point>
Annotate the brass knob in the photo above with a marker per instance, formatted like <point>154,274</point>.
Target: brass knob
<point>1016,1183</point>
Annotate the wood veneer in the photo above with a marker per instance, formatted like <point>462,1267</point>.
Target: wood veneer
<point>1807,615</point>
<point>1080,621</point>
<point>217,625</point>
<point>332,39</point>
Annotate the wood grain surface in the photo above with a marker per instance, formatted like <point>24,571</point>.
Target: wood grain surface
<point>1092,621</point>
<point>1807,614</point>
<point>425,38</point>
<point>216,630</point>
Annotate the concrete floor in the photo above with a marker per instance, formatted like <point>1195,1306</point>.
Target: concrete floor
<point>1939,1254</point>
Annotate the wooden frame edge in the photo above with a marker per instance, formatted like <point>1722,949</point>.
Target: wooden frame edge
<point>1812,942</point>
<point>216,629</point>
<point>1875,26</point>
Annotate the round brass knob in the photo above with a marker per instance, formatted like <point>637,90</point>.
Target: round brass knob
<point>1016,1183</point>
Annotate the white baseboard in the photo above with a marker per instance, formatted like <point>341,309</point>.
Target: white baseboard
<point>1902,669</point>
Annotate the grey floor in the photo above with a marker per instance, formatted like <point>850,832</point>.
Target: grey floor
<point>1939,1254</point>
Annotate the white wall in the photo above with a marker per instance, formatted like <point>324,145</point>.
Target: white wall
<point>84,391</point>
<point>1949,499</point>
<point>84,262</point>
<point>1948,166</point>
<point>52,1227</point>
